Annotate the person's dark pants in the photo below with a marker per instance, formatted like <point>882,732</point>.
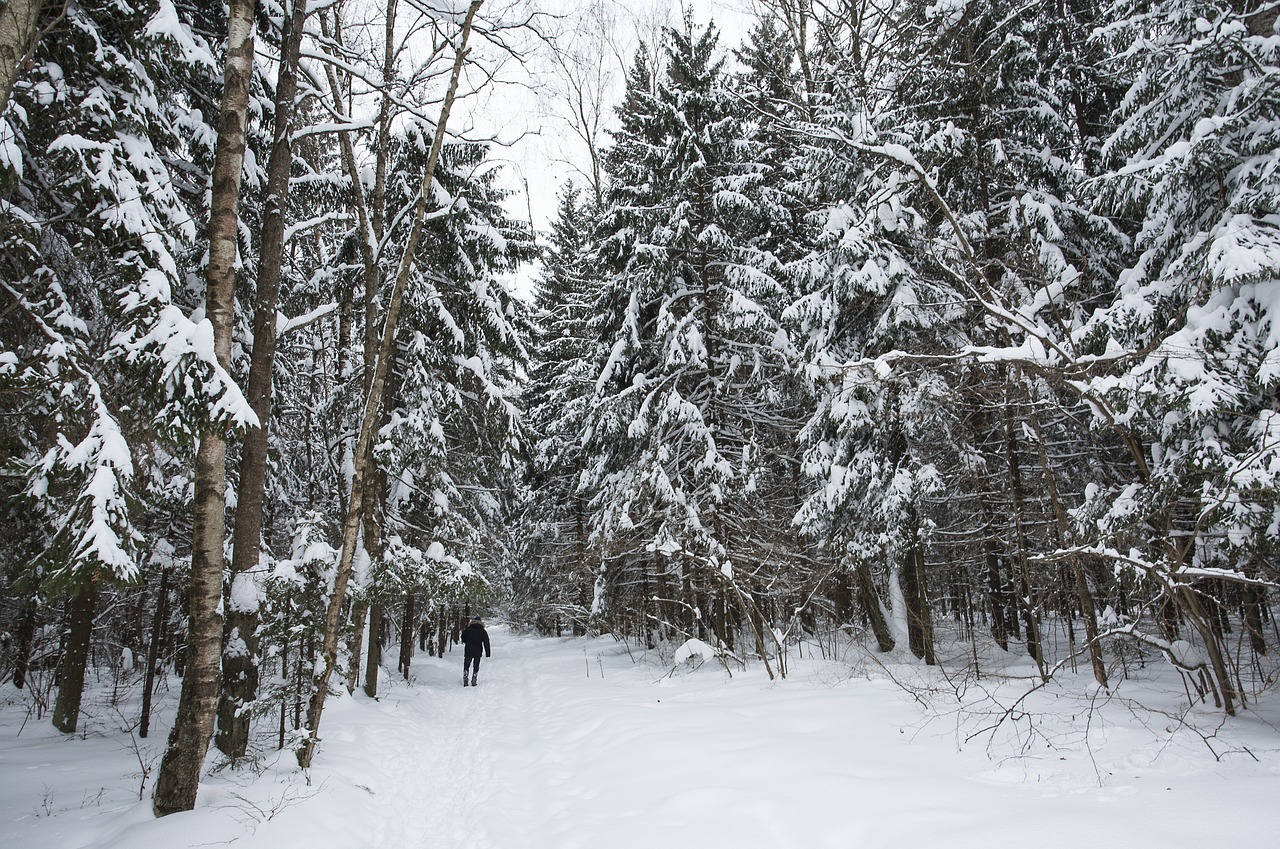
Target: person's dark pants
<point>467,663</point>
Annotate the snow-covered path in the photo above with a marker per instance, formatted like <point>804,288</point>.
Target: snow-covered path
<point>567,744</point>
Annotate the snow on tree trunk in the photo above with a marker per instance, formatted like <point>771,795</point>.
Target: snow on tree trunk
<point>898,609</point>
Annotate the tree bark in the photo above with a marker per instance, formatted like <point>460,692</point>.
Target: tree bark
<point>179,776</point>
<point>373,655</point>
<point>359,614</point>
<point>19,32</point>
<point>915,593</point>
<point>1253,599</point>
<point>1088,610</point>
<point>871,608</point>
<point>1195,612</point>
<point>26,637</point>
<point>153,651</point>
<point>1031,619</point>
<point>406,636</point>
<point>240,643</point>
<point>75,656</point>
<point>373,410</point>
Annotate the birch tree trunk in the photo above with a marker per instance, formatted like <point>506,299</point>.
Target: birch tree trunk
<point>18,34</point>
<point>240,645</point>
<point>179,776</point>
<point>373,409</point>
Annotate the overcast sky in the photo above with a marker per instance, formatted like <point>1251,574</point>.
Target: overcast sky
<point>544,152</point>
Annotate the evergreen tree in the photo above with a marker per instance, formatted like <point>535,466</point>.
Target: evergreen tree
<point>1191,327</point>
<point>101,142</point>
<point>451,448</point>
<point>687,409</point>
<point>559,562</point>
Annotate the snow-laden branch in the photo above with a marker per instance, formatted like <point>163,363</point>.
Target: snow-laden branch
<point>286,325</point>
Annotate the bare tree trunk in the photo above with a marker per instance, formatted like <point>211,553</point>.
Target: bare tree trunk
<point>1195,612</point>
<point>1253,599</point>
<point>915,593</point>
<point>871,607</point>
<point>240,647</point>
<point>153,650</point>
<point>359,613</point>
<point>373,656</point>
<point>26,637</point>
<point>284,666</point>
<point>373,410</point>
<point>442,631</point>
<point>1031,619</point>
<point>179,776</point>
<point>75,656</point>
<point>1088,611</point>
<point>406,636</point>
<point>1002,621</point>
<point>19,32</point>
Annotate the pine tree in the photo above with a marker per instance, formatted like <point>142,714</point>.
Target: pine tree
<point>97,230</point>
<point>1190,326</point>
<point>687,406</point>
<point>559,562</point>
<point>451,448</point>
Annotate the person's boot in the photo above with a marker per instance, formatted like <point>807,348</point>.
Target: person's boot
<point>473,680</point>
<point>464,679</point>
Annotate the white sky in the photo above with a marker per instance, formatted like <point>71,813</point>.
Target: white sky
<point>543,151</point>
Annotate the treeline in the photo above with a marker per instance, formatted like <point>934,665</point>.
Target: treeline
<point>920,322</point>
<point>929,322</point>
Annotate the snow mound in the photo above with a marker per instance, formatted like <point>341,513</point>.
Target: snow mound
<point>694,648</point>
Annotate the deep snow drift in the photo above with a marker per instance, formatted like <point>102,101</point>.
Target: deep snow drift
<point>568,743</point>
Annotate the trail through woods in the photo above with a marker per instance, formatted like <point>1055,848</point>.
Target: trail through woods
<point>568,743</point>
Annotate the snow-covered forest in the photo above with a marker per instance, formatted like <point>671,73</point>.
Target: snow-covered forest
<point>942,334</point>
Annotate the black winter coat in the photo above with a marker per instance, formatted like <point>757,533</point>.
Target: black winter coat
<point>473,637</point>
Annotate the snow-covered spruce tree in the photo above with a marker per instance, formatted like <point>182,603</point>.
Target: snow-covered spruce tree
<point>971,213</point>
<point>364,264</point>
<point>292,623</point>
<point>1192,327</point>
<point>363,475</point>
<point>97,157</point>
<point>687,405</point>
<point>450,451</point>
<point>554,584</point>
<point>861,296</point>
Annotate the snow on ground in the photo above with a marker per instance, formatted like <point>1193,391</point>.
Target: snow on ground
<point>568,743</point>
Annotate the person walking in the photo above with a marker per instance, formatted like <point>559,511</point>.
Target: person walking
<point>474,637</point>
